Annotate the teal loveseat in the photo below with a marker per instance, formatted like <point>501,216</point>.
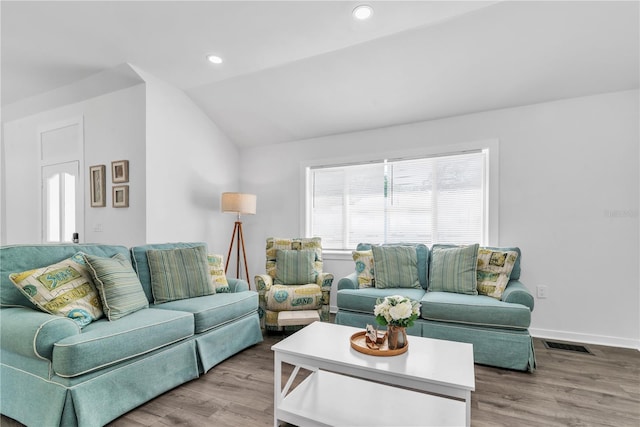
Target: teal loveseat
<point>52,373</point>
<point>497,328</point>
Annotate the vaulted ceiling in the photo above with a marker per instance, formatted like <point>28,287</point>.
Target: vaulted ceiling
<point>301,69</point>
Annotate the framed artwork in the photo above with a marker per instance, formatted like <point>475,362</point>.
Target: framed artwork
<point>120,196</point>
<point>120,171</point>
<point>97,186</point>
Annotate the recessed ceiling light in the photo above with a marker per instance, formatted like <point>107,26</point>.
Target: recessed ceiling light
<point>362,12</point>
<point>215,59</point>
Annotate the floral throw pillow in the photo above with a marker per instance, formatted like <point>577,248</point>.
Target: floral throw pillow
<point>64,289</point>
<point>494,269</point>
<point>218,275</point>
<point>364,268</point>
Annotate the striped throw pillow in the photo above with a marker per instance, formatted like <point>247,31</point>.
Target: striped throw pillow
<point>179,273</point>
<point>454,270</point>
<point>118,285</point>
<point>295,267</point>
<point>395,266</point>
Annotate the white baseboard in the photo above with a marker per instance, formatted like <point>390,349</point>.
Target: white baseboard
<point>585,338</point>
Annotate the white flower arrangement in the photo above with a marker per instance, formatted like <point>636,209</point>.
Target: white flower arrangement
<point>396,310</point>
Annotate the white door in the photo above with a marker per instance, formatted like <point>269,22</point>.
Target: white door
<point>62,202</point>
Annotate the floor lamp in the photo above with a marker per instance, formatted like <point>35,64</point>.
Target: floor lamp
<point>238,203</point>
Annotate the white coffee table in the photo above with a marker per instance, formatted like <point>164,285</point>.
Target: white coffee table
<point>326,398</point>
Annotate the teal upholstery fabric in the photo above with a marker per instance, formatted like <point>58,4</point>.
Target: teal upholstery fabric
<point>504,348</point>
<point>479,310</point>
<point>517,293</point>
<point>349,282</point>
<point>395,267</point>
<point>216,310</point>
<point>422,252</point>
<point>363,300</point>
<point>103,343</point>
<point>179,273</point>
<point>295,267</point>
<point>454,269</point>
<point>141,263</point>
<point>119,287</point>
<point>33,333</point>
<point>17,258</point>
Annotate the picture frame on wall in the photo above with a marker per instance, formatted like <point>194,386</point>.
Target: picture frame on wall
<point>120,171</point>
<point>120,196</point>
<point>97,186</point>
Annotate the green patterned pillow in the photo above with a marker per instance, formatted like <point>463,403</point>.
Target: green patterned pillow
<point>295,267</point>
<point>494,269</point>
<point>218,275</point>
<point>395,266</point>
<point>364,268</point>
<point>120,289</point>
<point>64,289</point>
<point>454,269</point>
<point>179,273</point>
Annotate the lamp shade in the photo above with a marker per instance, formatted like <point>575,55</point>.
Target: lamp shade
<point>239,203</point>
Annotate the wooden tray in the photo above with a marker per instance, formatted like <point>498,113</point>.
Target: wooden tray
<point>358,343</point>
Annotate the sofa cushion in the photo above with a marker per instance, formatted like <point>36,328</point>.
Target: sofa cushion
<point>141,263</point>
<point>515,272</point>
<point>395,267</point>
<point>422,253</point>
<point>179,273</point>
<point>494,269</point>
<point>218,276</point>
<point>476,310</point>
<point>293,297</point>
<point>364,268</point>
<point>64,289</point>
<point>104,343</point>
<point>295,267</point>
<point>363,300</point>
<point>119,287</point>
<point>276,243</point>
<point>453,269</point>
<point>212,311</point>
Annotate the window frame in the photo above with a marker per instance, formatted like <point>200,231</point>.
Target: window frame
<point>491,146</point>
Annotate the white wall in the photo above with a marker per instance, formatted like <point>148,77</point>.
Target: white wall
<point>569,188</point>
<point>190,162</point>
<point>114,129</point>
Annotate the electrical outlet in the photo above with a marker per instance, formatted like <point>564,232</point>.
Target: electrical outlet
<point>543,291</point>
<point>97,228</point>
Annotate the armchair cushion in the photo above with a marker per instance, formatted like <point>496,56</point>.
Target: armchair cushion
<point>453,269</point>
<point>395,267</point>
<point>294,297</point>
<point>276,243</point>
<point>295,267</point>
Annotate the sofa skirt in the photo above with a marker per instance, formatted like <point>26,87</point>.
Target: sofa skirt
<point>503,348</point>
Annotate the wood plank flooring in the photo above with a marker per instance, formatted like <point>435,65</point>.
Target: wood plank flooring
<point>567,389</point>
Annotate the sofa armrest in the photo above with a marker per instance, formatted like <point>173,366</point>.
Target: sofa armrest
<point>349,282</point>
<point>33,333</point>
<point>517,293</point>
<point>325,280</point>
<point>237,285</point>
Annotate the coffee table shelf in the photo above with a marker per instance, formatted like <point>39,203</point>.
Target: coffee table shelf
<point>319,401</point>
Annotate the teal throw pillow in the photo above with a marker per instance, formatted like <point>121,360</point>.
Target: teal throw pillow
<point>179,274</point>
<point>454,269</point>
<point>395,266</point>
<point>295,267</point>
<point>118,285</point>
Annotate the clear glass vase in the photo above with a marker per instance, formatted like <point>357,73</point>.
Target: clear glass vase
<point>396,337</point>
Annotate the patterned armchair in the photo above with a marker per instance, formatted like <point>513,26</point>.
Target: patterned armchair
<point>294,280</point>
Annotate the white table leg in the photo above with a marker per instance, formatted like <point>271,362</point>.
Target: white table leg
<point>277,387</point>
<point>467,400</point>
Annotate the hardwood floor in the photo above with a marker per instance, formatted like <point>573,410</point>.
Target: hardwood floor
<point>567,389</point>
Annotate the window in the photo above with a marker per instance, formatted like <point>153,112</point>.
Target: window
<point>436,199</point>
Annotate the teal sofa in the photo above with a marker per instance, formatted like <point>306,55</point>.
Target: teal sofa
<point>497,328</point>
<point>52,373</point>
